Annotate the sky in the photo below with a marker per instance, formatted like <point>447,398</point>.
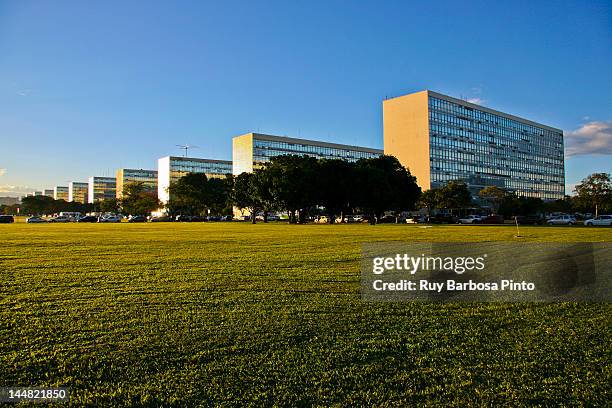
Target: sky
<point>90,87</point>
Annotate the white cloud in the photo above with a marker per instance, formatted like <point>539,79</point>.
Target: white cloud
<point>477,101</point>
<point>590,138</point>
<point>15,190</point>
<point>2,172</point>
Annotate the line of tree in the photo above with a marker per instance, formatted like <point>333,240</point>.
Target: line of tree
<point>302,186</point>
<point>593,195</point>
<point>137,200</point>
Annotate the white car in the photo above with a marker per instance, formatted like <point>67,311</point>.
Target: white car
<point>471,219</point>
<point>35,220</point>
<point>601,220</point>
<point>109,218</point>
<point>562,220</point>
<point>60,218</point>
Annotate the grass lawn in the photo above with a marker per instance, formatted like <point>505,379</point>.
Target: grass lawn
<point>231,313</point>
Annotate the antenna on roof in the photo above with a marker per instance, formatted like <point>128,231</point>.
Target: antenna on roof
<point>187,147</point>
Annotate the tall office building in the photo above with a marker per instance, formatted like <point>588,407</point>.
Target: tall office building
<point>171,168</point>
<point>60,193</point>
<point>254,149</point>
<point>101,188</point>
<point>48,192</point>
<point>128,176</point>
<point>77,191</point>
<point>440,138</point>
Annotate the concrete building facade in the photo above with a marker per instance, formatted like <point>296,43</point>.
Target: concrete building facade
<point>440,138</point>
<point>77,191</point>
<point>101,188</point>
<point>254,149</point>
<point>171,168</point>
<point>127,176</point>
<point>61,193</point>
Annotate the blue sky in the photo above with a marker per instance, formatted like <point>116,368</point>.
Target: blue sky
<point>87,88</point>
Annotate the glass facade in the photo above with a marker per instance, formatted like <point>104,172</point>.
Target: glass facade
<point>101,188</point>
<point>255,149</point>
<point>77,191</point>
<point>60,193</point>
<point>171,168</point>
<point>48,192</point>
<point>127,176</point>
<point>483,148</point>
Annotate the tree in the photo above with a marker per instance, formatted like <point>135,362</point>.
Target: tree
<point>428,200</point>
<point>217,196</point>
<point>137,199</point>
<point>244,194</point>
<point>110,205</point>
<point>334,189</point>
<point>37,205</point>
<point>596,191</point>
<point>384,184</point>
<point>188,194</point>
<point>493,195</point>
<point>454,195</point>
<point>291,182</point>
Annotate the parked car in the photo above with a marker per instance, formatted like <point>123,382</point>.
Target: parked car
<point>417,219</point>
<point>35,220</point>
<point>6,219</point>
<point>562,220</point>
<point>61,218</point>
<point>182,218</point>
<point>137,218</point>
<point>471,219</point>
<point>163,218</point>
<point>529,219</point>
<point>387,219</point>
<point>87,218</point>
<point>442,219</point>
<point>603,220</point>
<point>227,218</point>
<point>492,219</point>
<point>109,218</point>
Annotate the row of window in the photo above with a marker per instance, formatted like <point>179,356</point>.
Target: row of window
<point>487,149</point>
<point>264,149</point>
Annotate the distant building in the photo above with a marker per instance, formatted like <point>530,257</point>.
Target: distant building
<point>60,193</point>
<point>48,192</point>
<point>9,200</point>
<point>37,193</point>
<point>77,191</point>
<point>254,149</point>
<point>440,138</point>
<point>101,188</point>
<point>127,176</point>
<point>171,168</point>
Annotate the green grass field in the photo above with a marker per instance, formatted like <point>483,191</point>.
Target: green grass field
<point>236,314</point>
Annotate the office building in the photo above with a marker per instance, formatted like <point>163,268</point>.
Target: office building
<point>171,168</point>
<point>148,178</point>
<point>254,149</point>
<point>440,138</point>
<point>101,188</point>
<point>60,193</point>
<point>48,192</point>
<point>37,193</point>
<point>77,191</point>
